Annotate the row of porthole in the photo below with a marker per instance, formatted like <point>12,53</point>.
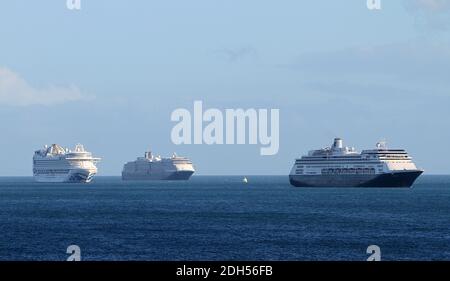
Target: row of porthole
<point>349,171</point>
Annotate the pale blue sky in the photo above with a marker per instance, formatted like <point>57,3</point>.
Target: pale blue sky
<point>113,72</point>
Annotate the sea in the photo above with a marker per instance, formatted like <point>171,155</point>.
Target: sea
<point>222,218</point>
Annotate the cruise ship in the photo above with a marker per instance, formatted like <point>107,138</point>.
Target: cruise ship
<point>341,166</point>
<point>57,164</point>
<point>152,167</point>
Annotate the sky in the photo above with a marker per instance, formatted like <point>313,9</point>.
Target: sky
<point>110,75</point>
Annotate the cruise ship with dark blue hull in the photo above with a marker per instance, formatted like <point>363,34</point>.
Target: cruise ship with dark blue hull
<point>340,166</point>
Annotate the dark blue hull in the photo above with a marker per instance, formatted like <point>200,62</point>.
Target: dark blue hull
<point>395,179</point>
<point>179,175</point>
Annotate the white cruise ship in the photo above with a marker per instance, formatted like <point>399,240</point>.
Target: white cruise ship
<point>57,164</point>
<point>341,166</point>
<point>152,167</point>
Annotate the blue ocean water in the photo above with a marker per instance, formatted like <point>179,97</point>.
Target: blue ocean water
<point>221,218</point>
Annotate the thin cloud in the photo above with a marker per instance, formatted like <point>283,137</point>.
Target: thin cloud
<point>234,55</point>
<point>16,91</point>
<point>429,5</point>
<point>396,71</point>
<point>430,14</point>
<point>410,61</point>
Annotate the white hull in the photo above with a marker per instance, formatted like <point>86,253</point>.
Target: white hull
<point>74,176</point>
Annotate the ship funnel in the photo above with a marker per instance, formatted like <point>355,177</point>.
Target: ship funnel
<point>79,148</point>
<point>381,144</point>
<point>337,143</point>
